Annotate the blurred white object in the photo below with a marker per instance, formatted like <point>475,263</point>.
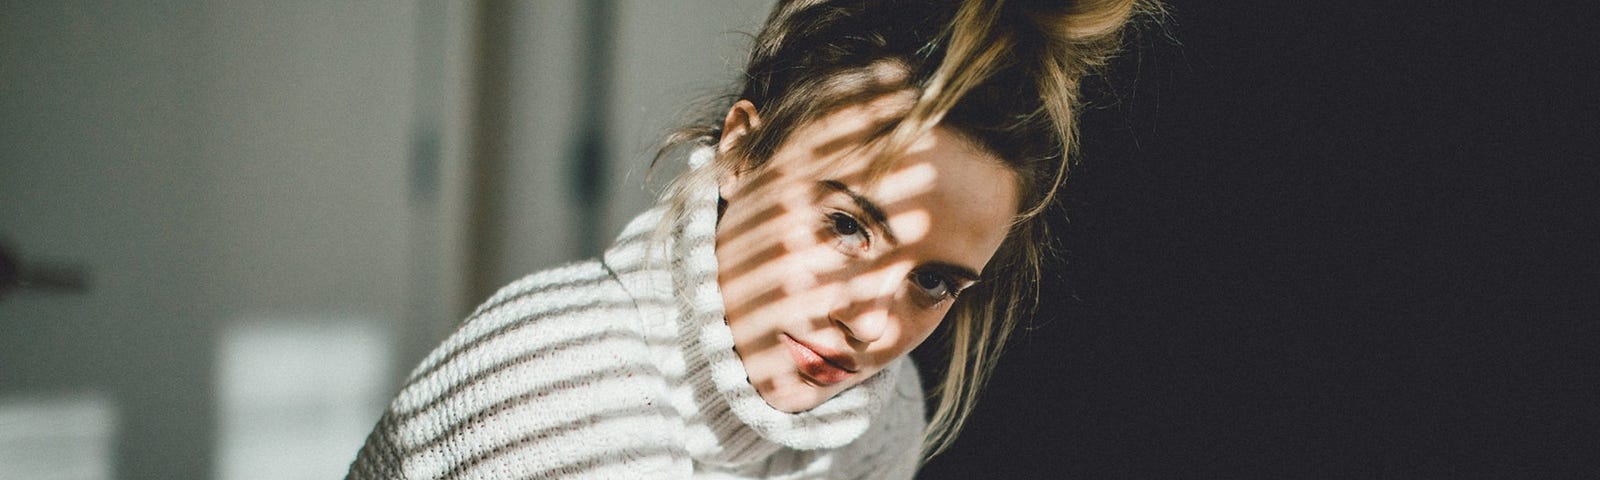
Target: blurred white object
<point>297,396</point>
<point>48,437</point>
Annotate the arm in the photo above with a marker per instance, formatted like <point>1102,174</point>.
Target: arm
<point>551,377</point>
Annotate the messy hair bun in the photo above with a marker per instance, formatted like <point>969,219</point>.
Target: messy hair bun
<point>995,50</point>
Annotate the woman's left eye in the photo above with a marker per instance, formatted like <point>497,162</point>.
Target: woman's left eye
<point>934,285</point>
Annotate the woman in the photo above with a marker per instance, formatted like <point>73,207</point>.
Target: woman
<point>879,175</point>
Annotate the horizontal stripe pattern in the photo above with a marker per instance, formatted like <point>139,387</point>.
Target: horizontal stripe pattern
<point>624,368</point>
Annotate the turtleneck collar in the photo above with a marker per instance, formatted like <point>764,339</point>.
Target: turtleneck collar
<point>742,425</point>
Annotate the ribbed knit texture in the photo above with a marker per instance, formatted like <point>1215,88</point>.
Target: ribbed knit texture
<point>625,368</point>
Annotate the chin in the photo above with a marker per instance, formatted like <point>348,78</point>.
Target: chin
<point>793,398</point>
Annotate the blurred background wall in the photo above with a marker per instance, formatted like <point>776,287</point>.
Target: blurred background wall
<point>1308,240</point>
<point>245,221</point>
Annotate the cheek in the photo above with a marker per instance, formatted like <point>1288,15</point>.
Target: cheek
<point>811,262</point>
<point>796,279</point>
<point>912,329</point>
<point>918,330</point>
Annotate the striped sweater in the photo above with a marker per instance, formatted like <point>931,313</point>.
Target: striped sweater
<point>623,367</point>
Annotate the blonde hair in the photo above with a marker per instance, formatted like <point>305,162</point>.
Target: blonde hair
<point>1003,74</point>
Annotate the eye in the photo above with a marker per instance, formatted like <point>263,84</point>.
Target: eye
<point>849,231</point>
<point>935,286</point>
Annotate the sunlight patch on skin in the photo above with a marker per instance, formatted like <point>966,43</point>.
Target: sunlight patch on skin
<point>787,271</point>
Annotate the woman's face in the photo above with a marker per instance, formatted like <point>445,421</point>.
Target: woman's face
<point>826,277</point>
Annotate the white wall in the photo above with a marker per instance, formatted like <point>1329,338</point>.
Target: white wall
<point>220,168</point>
<point>668,56</point>
<point>212,165</point>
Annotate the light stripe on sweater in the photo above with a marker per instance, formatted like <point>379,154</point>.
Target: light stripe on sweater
<point>624,368</point>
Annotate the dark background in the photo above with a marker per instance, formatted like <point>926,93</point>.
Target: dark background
<point>1319,242</point>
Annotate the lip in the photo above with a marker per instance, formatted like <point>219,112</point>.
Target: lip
<point>825,367</point>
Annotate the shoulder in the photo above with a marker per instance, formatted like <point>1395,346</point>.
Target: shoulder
<point>583,285</point>
<point>552,375</point>
<point>545,313</point>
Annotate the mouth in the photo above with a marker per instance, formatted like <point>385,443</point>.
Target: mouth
<point>822,366</point>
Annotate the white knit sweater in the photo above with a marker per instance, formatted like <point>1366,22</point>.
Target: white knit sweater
<point>624,368</point>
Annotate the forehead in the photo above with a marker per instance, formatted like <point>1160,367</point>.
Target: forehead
<point>943,189</point>
<point>847,140</point>
<point>946,191</point>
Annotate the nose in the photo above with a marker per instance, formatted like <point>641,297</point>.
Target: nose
<point>866,309</point>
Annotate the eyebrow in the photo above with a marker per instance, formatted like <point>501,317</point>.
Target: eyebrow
<point>877,216</point>
<point>953,270</point>
<point>873,211</point>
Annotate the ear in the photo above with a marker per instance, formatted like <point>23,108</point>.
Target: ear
<point>742,120</point>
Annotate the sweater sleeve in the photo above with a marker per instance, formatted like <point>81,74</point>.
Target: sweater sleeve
<point>892,447</point>
<point>550,378</point>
